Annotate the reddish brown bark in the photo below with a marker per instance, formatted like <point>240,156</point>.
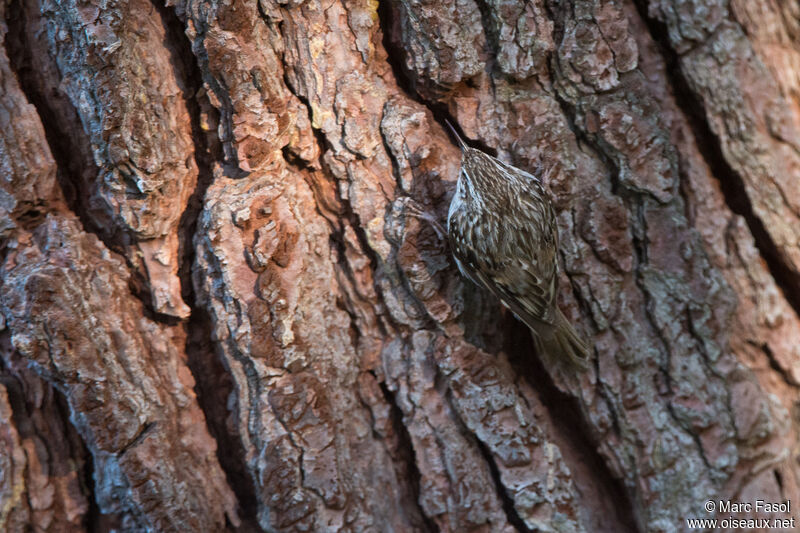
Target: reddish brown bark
<point>218,313</point>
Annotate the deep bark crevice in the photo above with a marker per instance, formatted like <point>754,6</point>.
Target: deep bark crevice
<point>92,520</point>
<point>731,182</point>
<point>501,491</point>
<point>492,38</point>
<point>213,388</point>
<point>392,44</point>
<point>389,22</point>
<point>97,521</point>
<point>778,480</point>
<point>347,214</point>
<point>213,384</point>
<point>70,147</point>
<point>572,425</point>
<point>408,454</point>
<point>94,517</point>
<point>506,500</point>
<point>640,243</point>
<point>66,147</point>
<point>29,419</point>
<point>138,438</point>
<point>337,239</point>
<point>776,366</point>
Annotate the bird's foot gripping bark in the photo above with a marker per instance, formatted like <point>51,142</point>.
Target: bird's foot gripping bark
<point>414,209</point>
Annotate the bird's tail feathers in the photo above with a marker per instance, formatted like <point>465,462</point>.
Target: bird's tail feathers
<point>561,342</point>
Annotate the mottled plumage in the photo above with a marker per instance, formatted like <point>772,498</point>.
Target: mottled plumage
<point>502,231</point>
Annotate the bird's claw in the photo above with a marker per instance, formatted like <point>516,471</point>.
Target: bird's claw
<point>413,208</point>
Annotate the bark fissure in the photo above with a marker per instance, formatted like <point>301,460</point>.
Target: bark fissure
<point>408,454</point>
<point>337,230</point>
<point>94,515</point>
<point>202,360</point>
<point>137,439</point>
<point>501,491</point>
<point>492,41</point>
<point>395,166</point>
<point>568,419</point>
<point>213,384</point>
<point>43,420</point>
<point>394,53</point>
<point>230,158</point>
<point>708,143</point>
<point>300,458</point>
<point>776,366</point>
<point>778,480</point>
<point>636,203</point>
<point>64,145</point>
<point>506,500</point>
<point>70,147</point>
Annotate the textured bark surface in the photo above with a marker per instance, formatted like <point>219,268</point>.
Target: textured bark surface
<point>218,313</point>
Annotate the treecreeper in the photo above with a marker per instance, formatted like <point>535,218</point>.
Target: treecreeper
<point>502,231</point>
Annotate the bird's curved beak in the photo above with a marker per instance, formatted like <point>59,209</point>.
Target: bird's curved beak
<point>461,142</point>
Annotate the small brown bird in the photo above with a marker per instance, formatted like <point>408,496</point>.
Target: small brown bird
<point>502,231</point>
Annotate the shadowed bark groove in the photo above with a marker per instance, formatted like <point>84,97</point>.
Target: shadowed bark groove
<point>65,137</point>
<point>405,81</point>
<point>40,79</point>
<point>569,423</point>
<point>49,443</point>
<point>508,503</point>
<point>129,393</point>
<point>634,201</point>
<point>213,384</point>
<point>731,182</point>
<point>406,450</point>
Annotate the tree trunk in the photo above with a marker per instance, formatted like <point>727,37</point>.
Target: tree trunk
<point>217,312</point>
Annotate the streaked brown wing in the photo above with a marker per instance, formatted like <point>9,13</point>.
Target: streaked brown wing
<point>518,265</point>
<point>523,308</point>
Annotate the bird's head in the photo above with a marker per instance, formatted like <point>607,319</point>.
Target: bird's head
<point>470,163</point>
<point>487,180</point>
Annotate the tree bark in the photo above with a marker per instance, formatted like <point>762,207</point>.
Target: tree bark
<point>217,312</point>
